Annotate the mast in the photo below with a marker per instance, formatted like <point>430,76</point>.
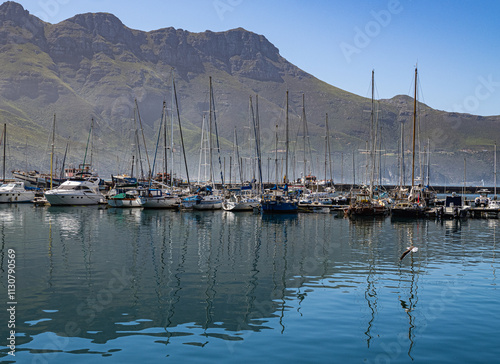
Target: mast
<point>238,155</point>
<point>257,139</point>
<point>255,122</point>
<point>4,148</point>
<point>275,159</point>
<point>165,156</point>
<point>414,131</point>
<point>180,134</point>
<point>157,144</point>
<point>329,151</point>
<point>304,137</point>
<point>326,148</point>
<point>372,151</point>
<point>495,168</point>
<point>88,140</point>
<point>210,130</point>
<point>428,161</point>
<point>52,151</point>
<point>143,139</point>
<point>286,139</point>
<point>203,151</point>
<point>342,171</point>
<point>172,163</point>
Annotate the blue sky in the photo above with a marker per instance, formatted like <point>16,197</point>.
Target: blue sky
<point>455,43</point>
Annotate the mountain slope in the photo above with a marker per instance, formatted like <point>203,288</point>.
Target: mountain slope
<point>93,66</point>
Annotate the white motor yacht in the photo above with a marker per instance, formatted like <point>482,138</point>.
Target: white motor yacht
<point>16,192</point>
<point>76,191</point>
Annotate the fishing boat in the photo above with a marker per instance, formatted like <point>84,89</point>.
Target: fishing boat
<point>16,192</point>
<point>76,191</point>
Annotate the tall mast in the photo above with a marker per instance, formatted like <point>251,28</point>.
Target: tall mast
<point>275,159</point>
<point>172,163</point>
<point>52,151</point>
<point>428,161</point>
<point>180,134</point>
<point>414,131</point>
<point>329,151</point>
<point>286,139</point>
<point>495,169</point>
<point>304,137</point>
<point>326,149</point>
<point>4,148</point>
<point>210,130</point>
<point>165,155</point>
<point>373,133</point>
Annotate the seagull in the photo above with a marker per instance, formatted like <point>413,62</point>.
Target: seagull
<point>411,249</point>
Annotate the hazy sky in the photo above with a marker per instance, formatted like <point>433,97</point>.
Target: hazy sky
<point>456,43</point>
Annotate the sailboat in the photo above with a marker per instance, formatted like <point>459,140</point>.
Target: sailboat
<point>278,200</point>
<point>165,197</point>
<point>414,206</point>
<point>364,202</point>
<point>242,197</point>
<point>204,198</point>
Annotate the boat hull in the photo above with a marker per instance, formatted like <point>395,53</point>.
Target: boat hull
<point>208,205</point>
<point>126,202</point>
<point>161,202</point>
<point>279,207</point>
<point>63,199</point>
<point>239,206</point>
<point>17,197</point>
<point>407,213</point>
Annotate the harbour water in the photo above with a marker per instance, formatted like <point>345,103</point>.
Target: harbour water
<point>96,285</point>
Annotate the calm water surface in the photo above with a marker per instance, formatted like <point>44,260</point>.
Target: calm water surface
<point>126,286</point>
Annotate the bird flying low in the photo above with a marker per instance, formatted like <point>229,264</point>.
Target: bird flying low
<point>411,249</point>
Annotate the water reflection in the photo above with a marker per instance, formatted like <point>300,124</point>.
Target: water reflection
<point>407,234</point>
<point>203,277</point>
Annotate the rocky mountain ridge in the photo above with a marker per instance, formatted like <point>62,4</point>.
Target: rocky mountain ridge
<point>94,66</point>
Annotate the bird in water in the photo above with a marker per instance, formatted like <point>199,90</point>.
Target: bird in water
<point>411,249</point>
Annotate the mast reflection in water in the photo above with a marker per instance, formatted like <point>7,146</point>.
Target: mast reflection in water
<point>128,285</point>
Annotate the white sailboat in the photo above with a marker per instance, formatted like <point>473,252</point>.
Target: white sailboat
<point>205,198</point>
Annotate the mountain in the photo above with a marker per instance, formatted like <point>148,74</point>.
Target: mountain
<point>93,66</point>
